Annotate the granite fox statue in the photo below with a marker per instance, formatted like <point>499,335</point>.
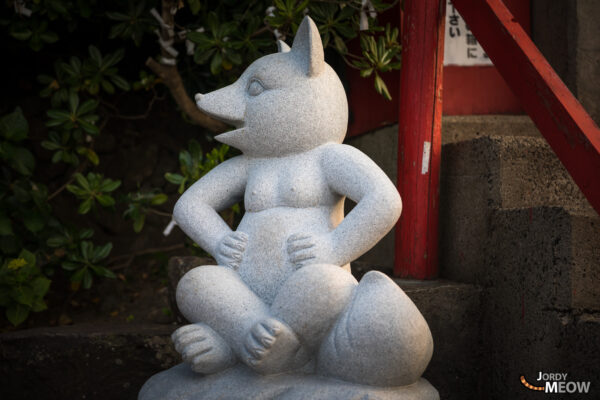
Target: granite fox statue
<point>281,297</point>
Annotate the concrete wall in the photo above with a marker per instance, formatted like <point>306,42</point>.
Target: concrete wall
<point>382,146</point>
<point>567,32</point>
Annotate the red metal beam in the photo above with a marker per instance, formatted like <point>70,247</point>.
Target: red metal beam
<point>419,138</point>
<point>567,127</point>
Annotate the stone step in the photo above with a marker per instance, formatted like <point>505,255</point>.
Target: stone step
<point>557,246</point>
<point>453,312</point>
<point>481,176</point>
<point>507,172</point>
<point>112,362</point>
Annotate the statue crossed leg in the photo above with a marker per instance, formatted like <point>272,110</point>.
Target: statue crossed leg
<point>232,323</point>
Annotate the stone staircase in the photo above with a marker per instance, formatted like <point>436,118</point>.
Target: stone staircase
<point>514,224</point>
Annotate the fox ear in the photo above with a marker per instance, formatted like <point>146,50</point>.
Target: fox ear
<point>308,46</point>
<point>282,47</point>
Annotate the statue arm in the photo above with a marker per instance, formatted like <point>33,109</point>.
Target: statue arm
<point>350,173</point>
<point>196,211</point>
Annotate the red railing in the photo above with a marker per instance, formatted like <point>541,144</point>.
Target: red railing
<point>563,122</point>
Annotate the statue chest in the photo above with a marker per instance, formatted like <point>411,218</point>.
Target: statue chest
<point>294,181</point>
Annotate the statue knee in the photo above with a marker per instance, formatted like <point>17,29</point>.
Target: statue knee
<point>200,287</point>
<point>312,299</point>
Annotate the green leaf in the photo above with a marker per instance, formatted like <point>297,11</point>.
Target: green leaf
<point>38,305</point>
<point>194,6</point>
<point>95,54</point>
<point>201,56</point>
<point>22,160</point>
<point>14,126</point>
<point>76,190</point>
<point>117,16</point>
<point>87,279</point>
<point>17,313</point>
<point>107,86</point>
<point>159,199</point>
<point>138,223</point>
<point>117,30</point>
<point>70,265</point>
<point>366,72</point>
<point>86,233</point>
<point>381,87</point>
<point>33,221</point>
<point>101,252</point>
<point>21,35</point>
<point>40,286</point>
<point>105,200</point>
<point>48,145</point>
<point>92,156</point>
<point>82,181</point>
<point>56,241</point>
<point>108,185</point>
<point>85,206</point>
<point>78,275</point>
<point>104,272</point>
<point>49,37</point>
<point>28,256</point>
<point>88,106</point>
<point>89,128</point>
<point>120,82</point>
<point>114,58</point>
<point>59,115</point>
<point>87,248</point>
<point>215,64</point>
<point>73,101</point>
<point>23,295</point>
<point>174,178</point>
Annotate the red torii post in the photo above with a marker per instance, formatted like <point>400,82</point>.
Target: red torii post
<point>419,138</point>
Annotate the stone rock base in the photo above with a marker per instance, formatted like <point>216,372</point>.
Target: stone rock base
<point>181,383</point>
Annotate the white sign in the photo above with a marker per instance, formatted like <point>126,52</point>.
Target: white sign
<point>460,45</point>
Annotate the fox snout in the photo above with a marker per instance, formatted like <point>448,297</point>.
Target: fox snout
<point>224,104</point>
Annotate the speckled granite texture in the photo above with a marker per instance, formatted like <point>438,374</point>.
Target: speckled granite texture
<point>282,299</point>
<point>240,383</point>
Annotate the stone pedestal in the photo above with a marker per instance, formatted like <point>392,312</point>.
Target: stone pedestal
<point>181,383</point>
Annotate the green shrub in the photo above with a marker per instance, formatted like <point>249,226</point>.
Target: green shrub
<point>97,50</point>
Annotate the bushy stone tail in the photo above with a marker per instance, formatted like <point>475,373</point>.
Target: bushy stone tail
<point>380,339</point>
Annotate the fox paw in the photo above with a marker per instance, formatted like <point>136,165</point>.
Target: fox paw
<point>272,347</point>
<point>202,348</point>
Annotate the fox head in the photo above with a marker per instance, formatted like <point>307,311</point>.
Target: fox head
<point>283,103</point>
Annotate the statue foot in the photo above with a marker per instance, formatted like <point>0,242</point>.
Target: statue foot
<point>272,347</point>
<point>202,348</point>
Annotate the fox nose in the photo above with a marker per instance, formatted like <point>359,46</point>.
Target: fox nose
<point>198,97</point>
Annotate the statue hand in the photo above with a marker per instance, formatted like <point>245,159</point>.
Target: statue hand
<point>230,250</point>
<point>304,249</point>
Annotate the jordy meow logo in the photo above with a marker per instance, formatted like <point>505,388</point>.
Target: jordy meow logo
<point>549,382</point>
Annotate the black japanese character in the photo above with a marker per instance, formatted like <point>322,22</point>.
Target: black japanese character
<point>471,52</point>
<point>454,32</point>
<point>471,41</point>
<point>454,20</point>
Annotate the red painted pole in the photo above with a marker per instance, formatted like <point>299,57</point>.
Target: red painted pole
<point>565,124</point>
<point>419,138</point>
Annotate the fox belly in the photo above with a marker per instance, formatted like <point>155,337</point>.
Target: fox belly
<point>265,266</point>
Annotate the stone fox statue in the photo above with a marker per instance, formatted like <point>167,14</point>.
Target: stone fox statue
<point>282,297</point>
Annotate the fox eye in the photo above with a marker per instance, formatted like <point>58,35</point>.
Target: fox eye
<point>255,87</point>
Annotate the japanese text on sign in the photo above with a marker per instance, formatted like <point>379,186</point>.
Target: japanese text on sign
<point>460,45</point>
